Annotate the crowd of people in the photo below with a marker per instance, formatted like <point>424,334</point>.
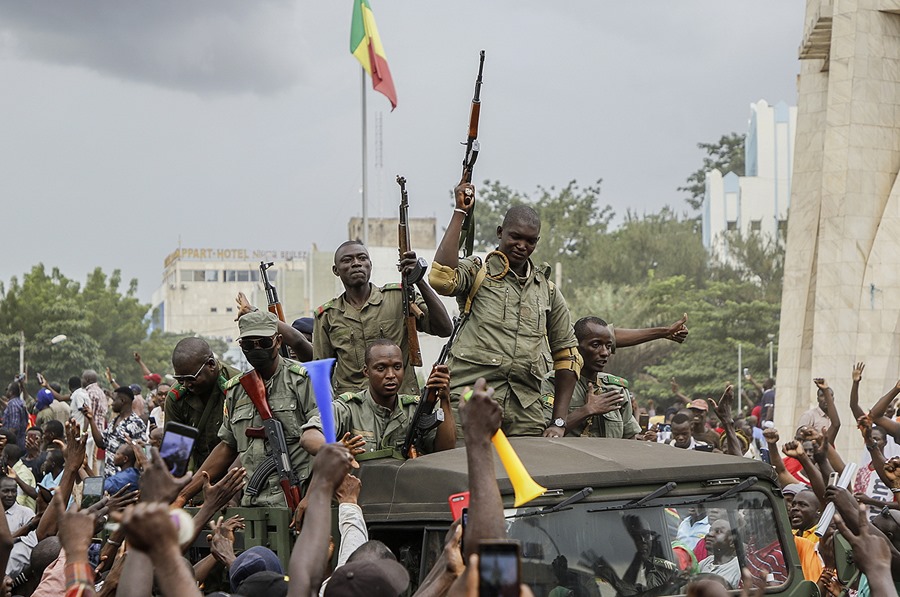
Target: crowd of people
<point>532,371</point>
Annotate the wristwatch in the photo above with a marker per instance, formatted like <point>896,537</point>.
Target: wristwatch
<point>561,423</point>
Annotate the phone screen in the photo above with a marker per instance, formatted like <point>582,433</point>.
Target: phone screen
<point>177,445</point>
<point>93,491</point>
<point>644,421</point>
<point>498,569</point>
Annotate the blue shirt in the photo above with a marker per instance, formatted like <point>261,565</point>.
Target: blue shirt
<point>16,418</point>
<point>121,479</point>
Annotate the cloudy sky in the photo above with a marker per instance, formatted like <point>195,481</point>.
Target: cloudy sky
<point>125,127</point>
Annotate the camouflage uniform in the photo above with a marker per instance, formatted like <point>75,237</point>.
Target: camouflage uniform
<point>384,430</point>
<point>186,407</point>
<point>614,424</point>
<point>291,399</point>
<point>343,332</point>
<point>506,337</point>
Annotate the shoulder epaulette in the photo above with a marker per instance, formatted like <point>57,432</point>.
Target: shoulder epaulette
<point>613,380</point>
<point>232,382</point>
<point>544,269</point>
<point>407,399</point>
<point>392,286</point>
<point>325,307</point>
<point>176,393</point>
<point>349,397</point>
<point>297,368</point>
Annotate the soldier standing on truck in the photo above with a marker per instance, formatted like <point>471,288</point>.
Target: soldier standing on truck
<point>381,416</point>
<point>345,326</point>
<point>290,397</point>
<point>198,399</point>
<point>601,402</point>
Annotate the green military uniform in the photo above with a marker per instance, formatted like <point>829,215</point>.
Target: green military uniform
<point>205,414</point>
<point>615,424</point>
<point>344,332</point>
<point>291,399</point>
<point>384,430</point>
<point>506,337</point>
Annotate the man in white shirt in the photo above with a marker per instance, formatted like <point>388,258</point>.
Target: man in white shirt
<point>16,516</point>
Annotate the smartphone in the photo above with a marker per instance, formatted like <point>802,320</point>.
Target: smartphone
<point>833,478</point>
<point>40,379</point>
<point>458,501</point>
<point>93,491</point>
<point>177,446</point>
<point>498,568</point>
<point>464,515</point>
<point>644,421</point>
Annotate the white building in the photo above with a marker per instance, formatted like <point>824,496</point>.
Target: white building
<point>757,202</point>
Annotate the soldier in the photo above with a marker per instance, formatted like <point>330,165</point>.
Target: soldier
<point>515,312</point>
<point>601,403</point>
<point>290,397</point>
<point>198,399</point>
<point>347,325</point>
<point>378,415</point>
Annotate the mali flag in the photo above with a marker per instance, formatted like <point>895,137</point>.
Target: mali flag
<point>365,44</point>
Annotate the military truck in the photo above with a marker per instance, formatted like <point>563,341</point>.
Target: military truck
<point>612,521</point>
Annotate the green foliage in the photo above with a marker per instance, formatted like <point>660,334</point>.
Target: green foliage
<point>572,219</point>
<point>726,155</point>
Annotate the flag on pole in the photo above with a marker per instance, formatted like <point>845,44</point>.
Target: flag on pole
<point>365,44</point>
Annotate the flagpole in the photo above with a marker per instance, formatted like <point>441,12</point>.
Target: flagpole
<point>365,209</point>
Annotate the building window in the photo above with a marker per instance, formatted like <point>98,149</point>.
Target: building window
<point>199,275</point>
<point>755,225</point>
<point>244,275</point>
<point>229,309</point>
<point>213,310</point>
<point>731,226</point>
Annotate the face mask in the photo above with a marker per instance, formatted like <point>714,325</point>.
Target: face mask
<point>259,357</point>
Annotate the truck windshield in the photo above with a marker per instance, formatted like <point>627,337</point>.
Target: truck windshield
<point>652,550</point>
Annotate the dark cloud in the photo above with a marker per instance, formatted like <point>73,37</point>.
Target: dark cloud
<point>203,46</point>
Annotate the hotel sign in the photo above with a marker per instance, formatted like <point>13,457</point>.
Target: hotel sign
<point>207,254</point>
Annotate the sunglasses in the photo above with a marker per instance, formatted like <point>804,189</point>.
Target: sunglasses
<point>252,343</point>
<point>190,378</point>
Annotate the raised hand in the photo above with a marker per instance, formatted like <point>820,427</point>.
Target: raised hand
<point>137,357</point>
<point>243,304</point>
<point>858,371</point>
<point>220,494</point>
<point>149,528</point>
<point>439,381</point>
<point>864,423</point>
<point>793,449</point>
<point>723,408</point>
<point>348,491</point>
<point>464,194</point>
<point>221,539</point>
<point>678,331</point>
<point>892,471</point>
<point>123,498</point>
<point>771,435</point>
<point>480,414</point>
<point>158,485</point>
<point>821,383</point>
<point>356,444</point>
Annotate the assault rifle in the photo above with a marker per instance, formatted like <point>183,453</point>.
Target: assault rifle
<point>411,311</point>
<point>272,299</point>
<point>278,459</point>
<point>467,235</point>
<point>426,417</point>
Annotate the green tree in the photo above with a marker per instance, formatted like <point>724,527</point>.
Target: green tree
<point>754,258</point>
<point>725,155</point>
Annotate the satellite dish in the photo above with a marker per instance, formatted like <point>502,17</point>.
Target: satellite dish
<point>58,339</point>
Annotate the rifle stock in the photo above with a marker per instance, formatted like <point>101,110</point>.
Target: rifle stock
<point>411,311</point>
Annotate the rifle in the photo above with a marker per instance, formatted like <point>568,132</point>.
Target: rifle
<point>272,299</point>
<point>408,282</point>
<point>467,235</point>
<point>426,418</point>
<point>278,459</point>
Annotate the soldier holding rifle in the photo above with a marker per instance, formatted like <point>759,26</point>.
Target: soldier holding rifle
<point>347,325</point>
<point>290,398</point>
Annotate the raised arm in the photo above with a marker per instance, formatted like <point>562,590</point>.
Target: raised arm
<point>854,391</point>
<point>677,332</point>
<point>439,320</point>
<point>795,450</point>
<point>448,251</point>
<point>139,361</point>
<point>878,410</point>
<point>784,477</point>
<point>481,417</point>
<point>676,391</point>
<point>310,553</point>
<point>830,410</point>
<point>723,411</point>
